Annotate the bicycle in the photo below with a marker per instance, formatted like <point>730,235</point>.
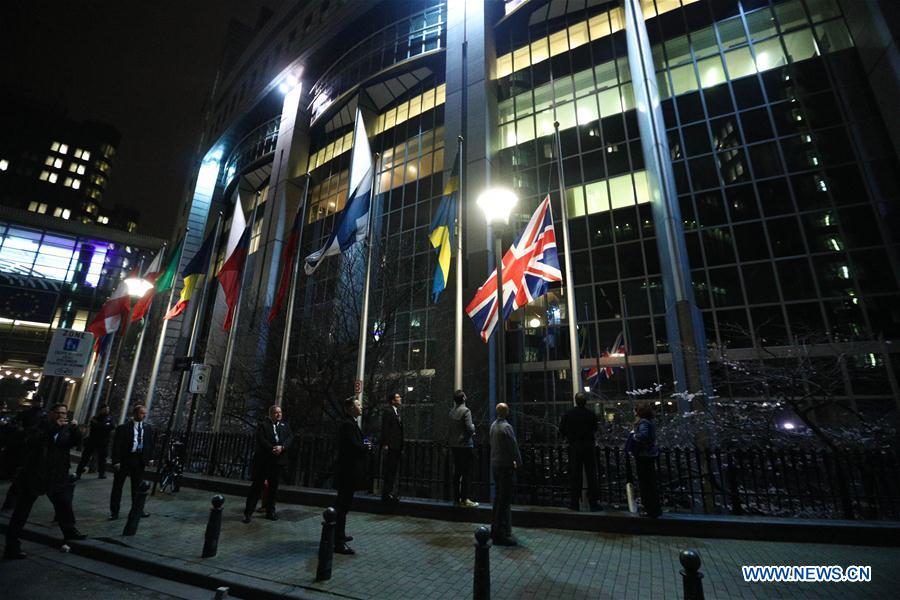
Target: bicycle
<point>170,476</point>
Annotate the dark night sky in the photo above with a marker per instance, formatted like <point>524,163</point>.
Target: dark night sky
<point>144,67</point>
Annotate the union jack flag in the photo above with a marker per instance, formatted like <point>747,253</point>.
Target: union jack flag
<point>593,375</point>
<point>529,267</point>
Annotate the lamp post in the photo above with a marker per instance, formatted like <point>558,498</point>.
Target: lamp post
<point>497,203</point>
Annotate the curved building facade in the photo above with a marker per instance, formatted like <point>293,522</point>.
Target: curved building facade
<point>729,171</point>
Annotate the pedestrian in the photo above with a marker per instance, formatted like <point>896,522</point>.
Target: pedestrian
<point>642,445</point>
<point>505,459</point>
<point>16,451</point>
<point>462,440</point>
<point>392,445</point>
<point>132,453</point>
<point>273,440</point>
<point>97,442</point>
<point>350,470</point>
<point>45,472</point>
<point>578,426</point>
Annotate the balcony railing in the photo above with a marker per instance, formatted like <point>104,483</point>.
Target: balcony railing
<point>420,33</point>
<point>255,145</point>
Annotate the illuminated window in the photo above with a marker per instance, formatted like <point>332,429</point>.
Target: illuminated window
<point>63,148</point>
<point>103,166</point>
<point>52,178</point>
<point>80,170</point>
<point>72,167</point>
<point>79,153</point>
<point>68,182</point>
<point>103,220</point>
<point>42,208</point>
<point>58,163</point>
<point>44,176</point>
<point>32,206</point>
<point>48,161</point>
<point>4,164</point>
<point>131,226</point>
<point>57,212</point>
<point>66,213</point>
<point>54,146</point>
<point>86,155</point>
<point>76,183</point>
<point>90,207</point>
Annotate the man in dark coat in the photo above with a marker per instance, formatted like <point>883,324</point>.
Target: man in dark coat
<point>578,426</point>
<point>350,470</point>
<point>273,440</point>
<point>132,453</point>
<point>46,471</point>
<point>392,444</point>
<point>97,442</point>
<point>23,425</point>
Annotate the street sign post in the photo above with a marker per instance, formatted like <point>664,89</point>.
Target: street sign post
<point>69,353</point>
<point>182,363</point>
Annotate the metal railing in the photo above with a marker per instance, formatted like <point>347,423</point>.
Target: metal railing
<point>749,481</point>
<point>258,143</point>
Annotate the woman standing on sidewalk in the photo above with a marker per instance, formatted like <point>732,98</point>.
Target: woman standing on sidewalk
<point>643,445</point>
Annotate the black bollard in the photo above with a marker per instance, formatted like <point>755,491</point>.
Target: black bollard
<point>326,545</point>
<point>481,582</point>
<point>691,575</point>
<point>137,509</point>
<point>213,527</point>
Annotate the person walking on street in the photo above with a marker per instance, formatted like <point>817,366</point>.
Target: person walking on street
<point>505,459</point>
<point>273,440</point>
<point>462,440</point>
<point>350,470</point>
<point>23,425</point>
<point>643,445</point>
<point>132,452</point>
<point>392,444</point>
<point>578,426</point>
<point>46,472</point>
<point>97,442</point>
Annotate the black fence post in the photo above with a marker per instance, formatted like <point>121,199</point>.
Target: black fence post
<point>481,582</point>
<point>731,474</point>
<point>326,545</point>
<point>213,527</point>
<point>137,508</point>
<point>691,575</point>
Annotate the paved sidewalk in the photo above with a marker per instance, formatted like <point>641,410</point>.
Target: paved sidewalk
<point>405,557</point>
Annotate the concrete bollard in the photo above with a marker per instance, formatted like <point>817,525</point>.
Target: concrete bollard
<point>481,581</point>
<point>213,527</point>
<point>221,593</point>
<point>691,575</point>
<point>326,545</point>
<point>137,509</point>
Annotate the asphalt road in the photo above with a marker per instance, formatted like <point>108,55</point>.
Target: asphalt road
<point>49,574</point>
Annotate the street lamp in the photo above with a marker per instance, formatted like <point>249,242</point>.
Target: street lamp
<point>137,286</point>
<point>497,203</point>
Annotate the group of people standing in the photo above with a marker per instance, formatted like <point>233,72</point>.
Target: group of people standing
<point>42,445</point>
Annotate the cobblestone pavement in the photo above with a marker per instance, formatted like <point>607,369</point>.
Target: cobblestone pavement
<point>402,557</point>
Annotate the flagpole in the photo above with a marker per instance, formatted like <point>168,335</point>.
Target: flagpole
<point>137,354</point>
<point>364,316</point>
<point>458,325</point>
<point>232,335</point>
<point>160,346</point>
<point>87,382</point>
<point>96,400</point>
<point>570,283</point>
<point>289,319</point>
<point>112,380</point>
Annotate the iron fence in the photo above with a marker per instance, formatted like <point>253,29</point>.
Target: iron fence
<point>753,480</point>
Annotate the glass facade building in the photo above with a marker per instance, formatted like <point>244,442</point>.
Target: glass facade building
<point>783,169</point>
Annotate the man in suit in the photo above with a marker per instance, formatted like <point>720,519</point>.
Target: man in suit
<point>462,434</point>
<point>97,442</point>
<point>350,470</point>
<point>505,459</point>
<point>392,444</point>
<point>273,439</point>
<point>132,452</point>
<point>578,426</point>
<point>45,471</point>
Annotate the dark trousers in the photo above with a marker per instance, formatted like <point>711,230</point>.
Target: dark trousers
<point>582,459</point>
<point>61,498</point>
<point>646,472</point>
<point>90,448</point>
<point>501,525</point>
<point>132,467</point>
<point>270,472</point>
<point>391,465</point>
<point>462,463</point>
<point>344,502</point>
<point>12,493</point>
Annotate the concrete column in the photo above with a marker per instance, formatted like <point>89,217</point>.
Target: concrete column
<point>684,325</point>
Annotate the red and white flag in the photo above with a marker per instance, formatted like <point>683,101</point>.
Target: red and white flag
<point>150,274</point>
<point>113,312</point>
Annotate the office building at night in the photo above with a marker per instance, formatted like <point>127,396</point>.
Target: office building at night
<point>730,178</point>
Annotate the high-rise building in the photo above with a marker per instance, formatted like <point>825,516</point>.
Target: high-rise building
<point>730,177</point>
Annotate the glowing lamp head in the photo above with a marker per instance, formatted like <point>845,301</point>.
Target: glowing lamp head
<point>497,203</point>
<point>534,323</point>
<point>137,286</point>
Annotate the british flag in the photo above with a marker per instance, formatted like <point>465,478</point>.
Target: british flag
<point>593,375</point>
<point>529,267</point>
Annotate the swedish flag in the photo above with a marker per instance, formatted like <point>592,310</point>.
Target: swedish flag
<point>442,232</point>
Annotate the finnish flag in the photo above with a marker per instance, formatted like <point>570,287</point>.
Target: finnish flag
<point>351,224</point>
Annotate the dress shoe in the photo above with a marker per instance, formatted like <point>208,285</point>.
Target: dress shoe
<point>112,517</point>
<point>345,539</point>
<point>344,549</point>
<point>469,504</point>
<point>14,555</point>
<point>246,518</point>
<point>74,535</point>
<point>272,516</point>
